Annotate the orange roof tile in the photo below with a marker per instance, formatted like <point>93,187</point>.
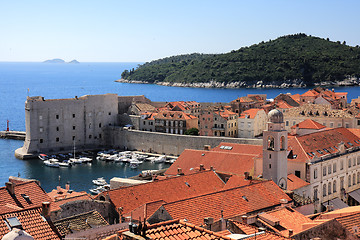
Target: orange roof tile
<point>351,223</point>
<point>173,115</point>
<point>171,189</point>
<point>178,230</point>
<point>225,113</point>
<point>239,181</point>
<point>250,113</point>
<point>293,182</point>
<point>288,218</point>
<point>296,97</point>
<point>321,143</point>
<point>283,105</point>
<point>267,236</point>
<point>308,124</point>
<point>310,93</point>
<point>31,221</point>
<point>231,202</point>
<point>189,161</point>
<point>245,228</point>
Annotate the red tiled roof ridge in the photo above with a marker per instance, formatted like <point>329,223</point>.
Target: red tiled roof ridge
<point>152,182</point>
<point>217,192</point>
<point>71,197</point>
<point>22,210</point>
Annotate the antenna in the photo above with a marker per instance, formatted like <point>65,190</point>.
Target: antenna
<point>28,90</point>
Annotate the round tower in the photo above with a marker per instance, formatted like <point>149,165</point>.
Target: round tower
<point>275,149</point>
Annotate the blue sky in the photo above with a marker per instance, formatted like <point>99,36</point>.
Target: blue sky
<point>145,30</point>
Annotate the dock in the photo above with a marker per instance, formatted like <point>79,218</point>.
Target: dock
<point>18,135</point>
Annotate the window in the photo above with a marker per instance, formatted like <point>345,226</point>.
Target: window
<point>324,171</point>
<point>358,160</point>
<point>341,165</point>
<point>354,179</point>
<point>354,162</point>
<point>287,123</point>
<point>315,173</point>
<point>41,129</point>
<point>57,129</point>
<point>334,167</point>
<point>339,124</point>
<point>109,113</point>
<point>40,118</point>
<point>331,125</point>
<point>57,139</point>
<point>334,186</point>
<point>269,156</point>
<point>269,165</point>
<point>329,169</point>
<point>73,115</point>
<point>349,181</point>
<point>57,116</point>
<point>315,194</point>
<point>41,140</point>
<point>298,174</point>
<point>324,190</point>
<point>13,222</point>
<point>329,189</point>
<point>90,136</point>
<point>358,122</point>
<point>349,161</point>
<point>73,127</point>
<point>73,138</point>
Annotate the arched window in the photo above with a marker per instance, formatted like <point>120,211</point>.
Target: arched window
<point>271,143</point>
<point>102,198</point>
<point>324,190</point>
<point>354,181</point>
<point>282,143</point>
<point>334,186</point>
<point>315,194</point>
<point>349,181</point>
<point>329,189</point>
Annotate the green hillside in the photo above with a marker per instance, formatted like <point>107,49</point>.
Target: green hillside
<point>298,58</point>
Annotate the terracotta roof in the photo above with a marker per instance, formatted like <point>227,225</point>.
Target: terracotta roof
<point>245,228</point>
<point>267,236</point>
<point>239,181</point>
<point>173,115</point>
<point>309,124</point>
<point>189,161</point>
<point>168,190</point>
<point>351,223</point>
<point>250,113</point>
<point>296,97</point>
<point>239,148</point>
<point>80,222</point>
<point>293,182</point>
<point>147,210</point>
<point>178,230</point>
<point>287,218</point>
<point>144,107</point>
<point>243,99</point>
<point>26,195</point>
<point>355,131</point>
<point>225,113</point>
<point>310,93</point>
<point>232,202</point>
<point>31,221</point>
<point>56,205</point>
<point>321,143</point>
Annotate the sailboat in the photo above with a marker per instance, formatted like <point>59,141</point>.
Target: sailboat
<point>74,159</point>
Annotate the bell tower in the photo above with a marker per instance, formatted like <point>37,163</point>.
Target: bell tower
<point>275,149</point>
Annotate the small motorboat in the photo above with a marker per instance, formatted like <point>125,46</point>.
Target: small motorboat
<point>43,157</point>
<point>76,160</point>
<point>52,162</point>
<point>159,159</point>
<point>86,159</point>
<point>64,163</point>
<point>99,181</point>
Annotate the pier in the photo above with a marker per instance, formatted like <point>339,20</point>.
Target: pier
<point>18,135</point>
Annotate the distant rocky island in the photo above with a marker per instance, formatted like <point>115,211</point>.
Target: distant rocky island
<point>295,60</point>
<point>58,60</point>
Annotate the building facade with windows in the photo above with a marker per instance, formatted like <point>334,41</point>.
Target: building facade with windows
<point>57,125</point>
<point>251,123</point>
<point>175,122</point>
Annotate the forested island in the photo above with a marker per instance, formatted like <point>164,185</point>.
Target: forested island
<point>295,60</point>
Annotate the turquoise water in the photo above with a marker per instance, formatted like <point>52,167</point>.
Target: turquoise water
<point>17,80</point>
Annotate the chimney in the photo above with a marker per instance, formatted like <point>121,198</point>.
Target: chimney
<point>202,168</point>
<point>291,232</point>
<point>212,168</point>
<point>244,219</point>
<point>247,174</point>
<point>283,202</point>
<point>10,187</point>
<point>46,209</point>
<point>67,186</point>
<point>207,147</point>
<point>179,171</point>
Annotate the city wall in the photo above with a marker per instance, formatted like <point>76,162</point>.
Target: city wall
<point>163,143</point>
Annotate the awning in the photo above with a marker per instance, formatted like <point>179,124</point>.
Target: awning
<point>355,195</point>
<point>337,203</point>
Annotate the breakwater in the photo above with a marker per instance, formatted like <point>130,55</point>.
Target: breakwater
<point>17,135</point>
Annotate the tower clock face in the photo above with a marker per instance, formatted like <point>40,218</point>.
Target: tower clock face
<point>282,183</point>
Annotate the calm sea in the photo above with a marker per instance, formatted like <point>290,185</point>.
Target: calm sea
<point>18,80</point>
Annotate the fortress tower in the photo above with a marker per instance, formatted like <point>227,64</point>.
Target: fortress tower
<point>275,149</point>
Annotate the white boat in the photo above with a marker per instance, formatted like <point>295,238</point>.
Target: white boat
<point>76,160</point>
<point>159,159</point>
<point>52,162</point>
<point>99,181</point>
<point>86,159</point>
<point>64,164</point>
<point>43,157</point>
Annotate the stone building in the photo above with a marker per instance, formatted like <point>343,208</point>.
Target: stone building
<point>176,122</point>
<point>251,123</point>
<point>218,121</point>
<point>57,125</point>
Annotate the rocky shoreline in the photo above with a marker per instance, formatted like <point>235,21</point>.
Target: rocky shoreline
<point>214,84</point>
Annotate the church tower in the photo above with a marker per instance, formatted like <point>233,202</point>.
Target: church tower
<point>275,149</point>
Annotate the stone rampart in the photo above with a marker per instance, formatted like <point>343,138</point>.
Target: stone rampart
<point>164,143</point>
